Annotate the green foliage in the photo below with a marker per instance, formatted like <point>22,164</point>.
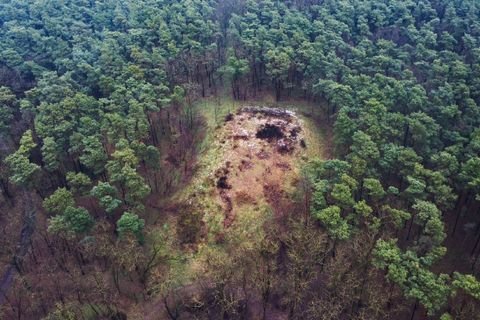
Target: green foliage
<point>407,271</point>
<point>470,173</point>
<point>152,157</point>
<point>364,147</point>
<point>342,194</point>
<point>446,316</point>
<point>337,94</point>
<point>424,130</point>
<point>7,107</point>
<point>107,196</point>
<point>278,63</point>
<point>430,217</point>
<point>331,170</point>
<point>77,220</point>
<point>79,182</point>
<point>374,188</point>
<point>332,220</point>
<point>234,70</point>
<point>122,170</point>
<point>59,201</point>
<point>135,186</point>
<point>319,190</point>
<point>50,154</point>
<point>397,216</point>
<point>22,170</point>
<point>131,223</point>
<point>73,220</point>
<point>362,208</point>
<point>93,156</point>
<point>416,188</point>
<point>467,283</point>
<point>178,95</point>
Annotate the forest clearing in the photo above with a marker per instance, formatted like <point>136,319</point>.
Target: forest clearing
<point>246,177</point>
<point>259,152</point>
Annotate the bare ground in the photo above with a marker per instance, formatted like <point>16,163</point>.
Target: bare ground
<point>261,153</point>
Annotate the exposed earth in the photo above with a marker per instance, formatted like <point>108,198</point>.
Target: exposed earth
<point>261,150</point>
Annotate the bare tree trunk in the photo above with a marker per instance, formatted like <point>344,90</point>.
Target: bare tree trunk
<point>414,310</point>
<point>457,218</point>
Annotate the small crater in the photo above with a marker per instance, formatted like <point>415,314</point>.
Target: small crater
<point>228,117</point>
<point>222,175</point>
<point>303,144</point>
<point>222,183</point>
<point>270,132</point>
<point>294,132</point>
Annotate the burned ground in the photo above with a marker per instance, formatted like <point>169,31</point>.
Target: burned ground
<point>269,132</point>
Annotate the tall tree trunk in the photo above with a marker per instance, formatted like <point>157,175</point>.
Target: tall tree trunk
<point>410,228</point>
<point>414,310</point>
<point>457,218</point>
<point>405,136</point>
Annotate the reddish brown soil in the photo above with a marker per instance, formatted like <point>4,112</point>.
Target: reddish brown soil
<point>262,148</point>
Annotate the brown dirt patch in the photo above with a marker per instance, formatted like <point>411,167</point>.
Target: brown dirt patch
<point>262,149</point>
<point>242,197</point>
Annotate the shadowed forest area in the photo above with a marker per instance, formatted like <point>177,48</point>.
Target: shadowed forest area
<point>249,159</point>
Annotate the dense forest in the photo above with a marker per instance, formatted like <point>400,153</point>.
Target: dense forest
<point>109,208</point>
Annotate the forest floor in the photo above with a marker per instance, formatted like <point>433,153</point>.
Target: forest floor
<point>248,167</point>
